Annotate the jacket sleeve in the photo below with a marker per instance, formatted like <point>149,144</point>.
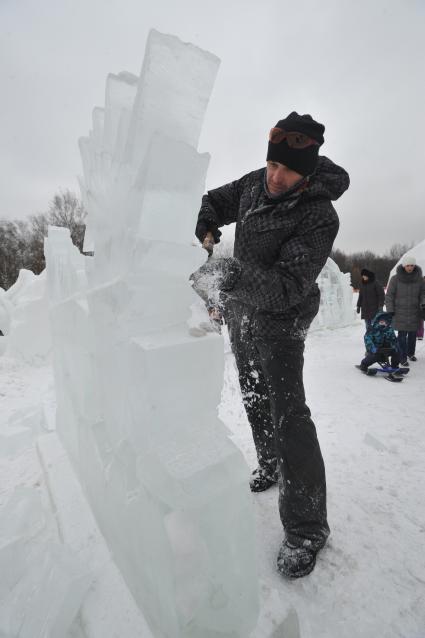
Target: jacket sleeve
<point>301,259</point>
<point>390,296</point>
<point>359,299</point>
<point>219,207</point>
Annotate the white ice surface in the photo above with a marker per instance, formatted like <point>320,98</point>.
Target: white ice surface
<point>24,314</point>
<point>156,464</point>
<point>43,582</point>
<point>369,581</point>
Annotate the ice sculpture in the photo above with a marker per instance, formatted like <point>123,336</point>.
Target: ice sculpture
<point>26,319</point>
<point>43,583</point>
<point>5,311</point>
<point>336,298</point>
<point>137,393</point>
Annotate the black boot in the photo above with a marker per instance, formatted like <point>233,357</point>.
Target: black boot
<point>262,479</point>
<point>295,562</point>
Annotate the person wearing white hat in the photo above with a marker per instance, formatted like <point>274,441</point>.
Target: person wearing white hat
<point>405,299</point>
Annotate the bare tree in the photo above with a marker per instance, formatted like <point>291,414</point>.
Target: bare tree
<point>22,242</point>
<point>397,250</point>
<point>380,265</point>
<point>14,241</point>
<point>67,210</point>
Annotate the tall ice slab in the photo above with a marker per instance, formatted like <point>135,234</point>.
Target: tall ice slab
<point>137,393</point>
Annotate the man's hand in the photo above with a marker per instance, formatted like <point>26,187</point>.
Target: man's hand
<point>208,243</point>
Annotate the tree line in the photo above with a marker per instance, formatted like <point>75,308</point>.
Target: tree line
<point>22,241</point>
<point>381,265</point>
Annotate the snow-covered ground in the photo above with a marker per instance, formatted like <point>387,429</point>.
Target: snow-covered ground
<point>370,579</point>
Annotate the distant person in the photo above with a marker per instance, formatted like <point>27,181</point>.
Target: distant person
<point>371,297</point>
<point>285,228</point>
<point>405,298</point>
<point>379,338</point>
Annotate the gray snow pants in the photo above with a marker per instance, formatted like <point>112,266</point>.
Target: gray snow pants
<point>271,380</point>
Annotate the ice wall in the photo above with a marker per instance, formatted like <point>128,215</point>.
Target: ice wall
<point>5,312</point>
<point>42,582</point>
<point>137,393</point>
<point>24,318</point>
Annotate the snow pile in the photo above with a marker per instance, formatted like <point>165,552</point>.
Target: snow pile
<point>137,393</point>
<point>24,318</point>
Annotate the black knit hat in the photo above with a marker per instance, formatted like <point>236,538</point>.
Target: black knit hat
<point>304,160</point>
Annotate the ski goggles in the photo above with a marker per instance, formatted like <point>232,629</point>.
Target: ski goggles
<point>293,138</point>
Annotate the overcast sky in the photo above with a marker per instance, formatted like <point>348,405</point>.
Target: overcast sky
<point>357,66</point>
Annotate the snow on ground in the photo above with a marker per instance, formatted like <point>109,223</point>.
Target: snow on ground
<point>370,579</point>
<point>23,391</point>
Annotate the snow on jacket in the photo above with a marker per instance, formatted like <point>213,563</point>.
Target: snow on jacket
<point>371,297</point>
<point>380,336</point>
<point>281,245</point>
<point>405,295</point>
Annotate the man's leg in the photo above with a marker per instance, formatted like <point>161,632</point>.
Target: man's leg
<point>256,400</point>
<point>302,493</point>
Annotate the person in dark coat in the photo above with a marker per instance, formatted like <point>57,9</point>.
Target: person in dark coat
<point>285,228</point>
<point>371,297</point>
<point>405,298</point>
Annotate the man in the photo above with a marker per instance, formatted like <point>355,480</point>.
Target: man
<point>371,297</point>
<point>285,228</point>
<point>405,299</point>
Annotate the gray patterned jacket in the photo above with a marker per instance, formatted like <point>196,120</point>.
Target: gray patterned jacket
<point>280,245</point>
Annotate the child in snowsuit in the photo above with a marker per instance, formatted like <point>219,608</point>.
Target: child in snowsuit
<point>380,335</point>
